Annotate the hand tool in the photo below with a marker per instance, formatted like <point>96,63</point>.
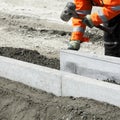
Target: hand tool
<point>69,12</point>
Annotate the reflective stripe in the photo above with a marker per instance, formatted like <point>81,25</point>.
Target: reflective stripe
<point>83,12</point>
<point>102,16</point>
<point>110,43</point>
<point>78,29</point>
<point>115,8</point>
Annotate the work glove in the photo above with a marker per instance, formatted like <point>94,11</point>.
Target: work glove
<point>74,45</point>
<point>88,21</point>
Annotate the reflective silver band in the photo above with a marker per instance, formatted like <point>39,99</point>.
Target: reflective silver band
<point>83,12</point>
<point>102,16</point>
<point>78,29</point>
<point>116,8</point>
<point>110,43</point>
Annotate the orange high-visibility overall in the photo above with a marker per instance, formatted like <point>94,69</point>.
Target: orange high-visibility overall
<point>109,9</point>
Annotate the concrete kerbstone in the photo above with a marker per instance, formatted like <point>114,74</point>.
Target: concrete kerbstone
<point>90,65</point>
<point>30,74</point>
<point>58,82</point>
<point>79,86</point>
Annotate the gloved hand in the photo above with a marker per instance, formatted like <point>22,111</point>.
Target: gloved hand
<point>74,45</point>
<point>88,21</point>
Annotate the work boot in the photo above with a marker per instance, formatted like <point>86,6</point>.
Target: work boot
<point>74,45</point>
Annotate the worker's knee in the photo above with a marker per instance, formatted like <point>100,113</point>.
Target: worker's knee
<point>112,49</point>
<point>112,41</point>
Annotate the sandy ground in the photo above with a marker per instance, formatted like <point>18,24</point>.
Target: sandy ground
<point>30,30</point>
<point>20,102</point>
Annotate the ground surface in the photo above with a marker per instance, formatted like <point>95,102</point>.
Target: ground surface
<point>28,35</point>
<point>20,102</point>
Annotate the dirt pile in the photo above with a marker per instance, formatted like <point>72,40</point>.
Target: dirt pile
<point>31,56</point>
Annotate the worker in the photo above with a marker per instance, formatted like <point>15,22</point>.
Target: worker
<point>109,15</point>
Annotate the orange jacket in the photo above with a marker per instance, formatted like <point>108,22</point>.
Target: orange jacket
<point>109,9</point>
